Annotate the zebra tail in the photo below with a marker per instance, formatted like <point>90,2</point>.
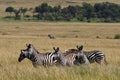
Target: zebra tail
<point>105,60</point>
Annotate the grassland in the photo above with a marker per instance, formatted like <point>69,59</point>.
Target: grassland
<point>14,36</point>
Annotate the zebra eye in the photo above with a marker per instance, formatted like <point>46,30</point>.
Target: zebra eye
<point>76,57</point>
<point>23,55</point>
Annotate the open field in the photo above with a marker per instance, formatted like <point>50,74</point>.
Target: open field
<point>14,36</point>
<point>33,3</point>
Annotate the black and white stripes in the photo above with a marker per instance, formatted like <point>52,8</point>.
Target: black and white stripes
<point>45,59</point>
<point>68,58</point>
<point>93,56</point>
<point>72,58</point>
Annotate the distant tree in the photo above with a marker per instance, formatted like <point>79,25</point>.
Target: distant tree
<point>72,10</point>
<point>108,11</point>
<point>9,10</point>
<point>57,9</point>
<point>23,11</point>
<point>88,11</point>
<point>44,7</point>
<point>17,13</point>
<point>56,12</point>
<point>99,12</point>
<point>66,14</point>
<point>31,10</point>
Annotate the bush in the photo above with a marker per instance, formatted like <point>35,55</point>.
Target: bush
<point>97,37</point>
<point>117,36</point>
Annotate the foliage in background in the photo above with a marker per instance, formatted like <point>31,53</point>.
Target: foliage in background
<point>99,12</point>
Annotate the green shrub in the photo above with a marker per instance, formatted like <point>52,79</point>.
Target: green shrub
<point>97,37</point>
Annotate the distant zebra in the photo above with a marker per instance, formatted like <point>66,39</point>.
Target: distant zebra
<point>51,36</point>
<point>45,59</point>
<point>93,56</point>
<point>72,59</point>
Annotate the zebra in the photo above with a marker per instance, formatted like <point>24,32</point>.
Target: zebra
<point>38,59</point>
<point>93,56</point>
<point>81,57</point>
<point>51,36</point>
<point>71,59</point>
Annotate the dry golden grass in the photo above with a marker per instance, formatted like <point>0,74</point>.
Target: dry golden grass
<point>14,36</point>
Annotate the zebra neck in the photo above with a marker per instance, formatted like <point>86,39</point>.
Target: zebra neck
<point>33,58</point>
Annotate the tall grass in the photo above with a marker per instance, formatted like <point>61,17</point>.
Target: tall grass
<point>61,73</point>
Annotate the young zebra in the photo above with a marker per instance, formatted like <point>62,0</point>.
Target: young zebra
<point>93,56</point>
<point>45,59</point>
<point>73,58</point>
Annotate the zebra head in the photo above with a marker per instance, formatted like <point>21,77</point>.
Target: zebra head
<point>26,53</point>
<point>57,54</point>
<point>81,57</point>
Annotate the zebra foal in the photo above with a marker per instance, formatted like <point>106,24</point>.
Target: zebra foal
<point>93,56</point>
<point>72,59</point>
<point>38,59</point>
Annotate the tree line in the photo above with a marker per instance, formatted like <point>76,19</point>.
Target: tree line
<point>99,12</point>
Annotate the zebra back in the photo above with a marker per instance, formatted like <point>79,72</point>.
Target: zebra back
<point>69,59</point>
<point>95,56</point>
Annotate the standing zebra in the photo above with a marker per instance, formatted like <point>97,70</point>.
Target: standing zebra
<point>72,59</point>
<point>45,59</point>
<point>93,56</point>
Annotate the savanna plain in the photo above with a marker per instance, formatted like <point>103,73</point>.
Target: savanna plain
<point>93,36</point>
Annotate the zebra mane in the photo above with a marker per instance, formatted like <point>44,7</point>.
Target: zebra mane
<point>90,51</point>
<point>41,53</point>
<point>36,50</point>
<point>71,50</point>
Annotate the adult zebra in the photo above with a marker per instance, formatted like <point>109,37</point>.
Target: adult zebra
<point>72,59</point>
<point>45,59</point>
<point>93,56</point>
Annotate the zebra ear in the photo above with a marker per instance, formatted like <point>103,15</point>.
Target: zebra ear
<point>54,48</point>
<point>57,49</point>
<point>81,47</point>
<point>22,51</point>
<point>77,47</point>
<point>27,45</point>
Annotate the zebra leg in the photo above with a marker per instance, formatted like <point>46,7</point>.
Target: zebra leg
<point>98,59</point>
<point>105,61</point>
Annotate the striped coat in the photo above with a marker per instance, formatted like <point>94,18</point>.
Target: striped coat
<point>38,59</point>
<point>92,56</point>
<point>72,58</point>
<point>95,56</point>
